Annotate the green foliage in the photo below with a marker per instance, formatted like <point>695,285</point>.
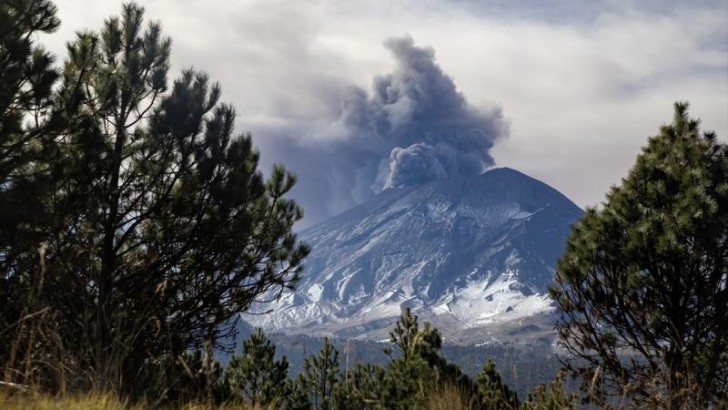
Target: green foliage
<point>551,397</point>
<point>298,395</point>
<point>492,392</point>
<point>406,384</point>
<point>361,388</point>
<point>416,366</point>
<point>255,377</point>
<point>319,386</point>
<point>26,145</point>
<point>322,375</point>
<point>642,284</point>
<point>411,343</point>
<point>25,90</point>
<point>155,225</point>
<point>408,378</point>
<point>415,371</point>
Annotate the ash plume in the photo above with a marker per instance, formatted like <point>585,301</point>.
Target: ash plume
<point>412,128</point>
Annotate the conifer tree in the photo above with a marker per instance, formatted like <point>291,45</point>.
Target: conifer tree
<point>416,366</point>
<point>493,393</point>
<point>160,226</point>
<point>322,375</point>
<point>255,376</point>
<point>361,388</point>
<point>642,284</point>
<point>297,394</point>
<point>28,76</point>
<point>551,396</point>
<point>27,143</point>
<point>411,342</point>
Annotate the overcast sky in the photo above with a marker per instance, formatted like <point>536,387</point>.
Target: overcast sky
<point>564,91</point>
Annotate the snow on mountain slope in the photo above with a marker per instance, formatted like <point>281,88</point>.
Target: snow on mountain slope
<point>465,253</point>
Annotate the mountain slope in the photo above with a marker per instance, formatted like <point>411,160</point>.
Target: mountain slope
<point>464,253</point>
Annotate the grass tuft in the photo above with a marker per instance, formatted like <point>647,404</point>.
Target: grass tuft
<point>16,400</point>
<point>36,401</point>
<point>448,397</point>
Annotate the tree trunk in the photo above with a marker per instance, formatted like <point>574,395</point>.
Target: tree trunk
<point>107,370</point>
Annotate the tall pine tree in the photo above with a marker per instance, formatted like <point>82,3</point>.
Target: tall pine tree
<point>322,375</point>
<point>160,226</point>
<point>492,392</point>
<point>416,366</point>
<point>643,284</point>
<point>256,377</point>
<point>27,143</point>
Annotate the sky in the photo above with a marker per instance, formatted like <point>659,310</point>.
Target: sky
<point>360,95</point>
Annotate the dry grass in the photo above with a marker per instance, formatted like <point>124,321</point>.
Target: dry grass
<point>448,397</point>
<point>35,401</point>
<point>94,401</point>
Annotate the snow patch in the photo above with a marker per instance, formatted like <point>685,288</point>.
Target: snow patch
<point>314,292</point>
<point>481,302</point>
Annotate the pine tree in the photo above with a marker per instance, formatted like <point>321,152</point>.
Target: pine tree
<point>411,342</point>
<point>255,376</point>
<point>28,76</point>
<point>297,394</point>
<point>361,388</point>
<point>492,392</point>
<point>553,396</point>
<point>642,284</point>
<point>322,374</point>
<point>27,143</point>
<point>416,366</point>
<point>160,226</point>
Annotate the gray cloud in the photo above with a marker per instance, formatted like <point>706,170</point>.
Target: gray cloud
<point>584,84</point>
<point>414,127</point>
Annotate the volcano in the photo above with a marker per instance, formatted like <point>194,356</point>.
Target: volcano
<point>473,255</point>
